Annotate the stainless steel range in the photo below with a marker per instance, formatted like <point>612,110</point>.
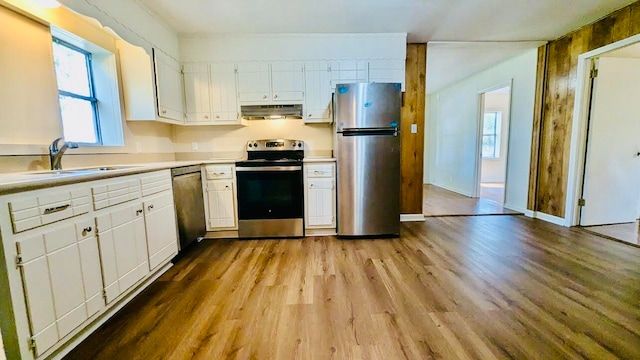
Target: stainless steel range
<point>270,189</point>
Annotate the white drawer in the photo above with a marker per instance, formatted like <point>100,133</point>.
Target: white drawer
<point>219,172</point>
<point>320,170</point>
<point>47,208</point>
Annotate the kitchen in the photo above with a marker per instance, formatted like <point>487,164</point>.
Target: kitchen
<point>81,246</point>
<point>217,129</point>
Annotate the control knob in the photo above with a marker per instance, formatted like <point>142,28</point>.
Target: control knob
<point>250,145</point>
<point>255,144</point>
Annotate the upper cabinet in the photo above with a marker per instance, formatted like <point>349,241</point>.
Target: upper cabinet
<point>317,78</point>
<point>224,94</point>
<point>152,88</point>
<point>168,87</point>
<point>387,71</point>
<point>349,71</point>
<point>197,93</point>
<point>271,82</point>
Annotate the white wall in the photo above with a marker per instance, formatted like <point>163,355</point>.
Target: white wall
<point>453,125</point>
<point>493,170</point>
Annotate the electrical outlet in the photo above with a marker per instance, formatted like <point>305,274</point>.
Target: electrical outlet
<point>414,128</point>
<point>194,146</point>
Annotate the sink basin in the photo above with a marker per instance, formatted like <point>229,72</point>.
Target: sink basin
<point>81,171</point>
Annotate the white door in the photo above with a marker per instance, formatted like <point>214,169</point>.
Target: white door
<point>318,90</point>
<point>169,87</point>
<point>220,201</point>
<point>160,222</point>
<point>612,172</point>
<point>224,97</point>
<point>320,203</point>
<point>196,93</point>
<point>287,81</point>
<point>254,83</point>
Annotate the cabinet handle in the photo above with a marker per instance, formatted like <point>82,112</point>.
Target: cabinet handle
<point>164,111</point>
<point>138,212</point>
<point>275,96</point>
<point>318,172</point>
<point>150,207</point>
<point>221,173</point>
<point>311,185</point>
<point>264,96</point>
<point>206,116</point>
<point>86,230</point>
<point>309,115</point>
<point>56,209</point>
<point>226,186</point>
<point>217,116</point>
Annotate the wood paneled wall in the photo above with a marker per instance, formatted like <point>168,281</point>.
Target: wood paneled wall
<point>554,116</point>
<point>412,145</point>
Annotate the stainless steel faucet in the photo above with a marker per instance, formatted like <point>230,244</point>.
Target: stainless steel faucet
<point>55,152</point>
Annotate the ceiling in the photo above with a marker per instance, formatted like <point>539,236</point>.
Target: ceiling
<point>464,21</point>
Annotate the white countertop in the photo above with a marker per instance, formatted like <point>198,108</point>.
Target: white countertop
<point>31,180</point>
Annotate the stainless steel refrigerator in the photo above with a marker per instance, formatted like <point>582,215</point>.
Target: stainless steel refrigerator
<point>367,143</point>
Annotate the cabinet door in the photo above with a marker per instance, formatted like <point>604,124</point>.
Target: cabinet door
<point>287,81</point>
<point>118,239</point>
<point>387,71</point>
<point>349,71</point>
<point>321,203</point>
<point>254,82</point>
<point>221,204</point>
<point>224,96</point>
<point>168,87</point>
<point>160,223</point>
<point>318,91</point>
<point>196,93</point>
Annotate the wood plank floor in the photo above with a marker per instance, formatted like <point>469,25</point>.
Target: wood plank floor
<point>628,232</point>
<point>441,202</point>
<point>490,287</point>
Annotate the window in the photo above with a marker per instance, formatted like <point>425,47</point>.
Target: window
<point>491,131</point>
<point>78,102</point>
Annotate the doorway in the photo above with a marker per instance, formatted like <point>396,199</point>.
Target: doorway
<point>610,197</point>
<point>494,135</point>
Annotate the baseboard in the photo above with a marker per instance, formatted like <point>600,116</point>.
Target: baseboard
<point>550,218</point>
<point>450,188</point>
<point>411,217</point>
<point>526,212</point>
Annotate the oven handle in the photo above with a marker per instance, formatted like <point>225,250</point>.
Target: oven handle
<point>270,168</point>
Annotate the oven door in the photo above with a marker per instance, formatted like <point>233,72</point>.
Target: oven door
<point>270,197</point>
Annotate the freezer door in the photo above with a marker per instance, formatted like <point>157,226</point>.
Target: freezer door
<point>367,105</point>
<point>368,171</point>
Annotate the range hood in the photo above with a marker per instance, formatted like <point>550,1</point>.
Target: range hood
<point>268,112</point>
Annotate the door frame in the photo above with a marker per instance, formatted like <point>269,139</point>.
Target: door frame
<point>478,165</point>
<point>579,128</point>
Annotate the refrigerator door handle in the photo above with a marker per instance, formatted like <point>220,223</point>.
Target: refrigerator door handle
<point>371,131</point>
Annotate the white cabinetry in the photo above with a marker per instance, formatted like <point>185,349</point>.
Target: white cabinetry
<point>152,85</point>
<point>320,197</point>
<point>349,71</point>
<point>220,197</point>
<point>168,87</point>
<point>60,269</point>
<point>387,71</point>
<point>224,94</point>
<point>264,82</point>
<point>197,93</point>
<point>318,91</point>
<point>72,253</point>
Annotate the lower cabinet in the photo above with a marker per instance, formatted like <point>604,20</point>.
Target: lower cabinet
<point>62,282</point>
<point>320,197</point>
<point>160,225</point>
<point>123,249</point>
<point>219,188</point>
<point>86,247</point>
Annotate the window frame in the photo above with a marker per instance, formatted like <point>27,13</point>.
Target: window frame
<point>92,92</point>
<point>496,134</point>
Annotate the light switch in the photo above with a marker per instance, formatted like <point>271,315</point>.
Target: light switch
<point>194,146</point>
<point>414,128</point>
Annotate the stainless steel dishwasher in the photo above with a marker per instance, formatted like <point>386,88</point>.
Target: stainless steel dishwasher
<point>187,195</point>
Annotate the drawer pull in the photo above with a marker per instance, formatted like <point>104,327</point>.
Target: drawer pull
<point>318,172</point>
<point>149,207</point>
<point>56,209</point>
<point>138,212</point>
<point>86,230</point>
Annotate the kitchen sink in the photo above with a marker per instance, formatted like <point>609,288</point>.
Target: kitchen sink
<point>82,171</point>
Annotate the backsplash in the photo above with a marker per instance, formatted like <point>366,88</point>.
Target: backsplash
<point>20,163</point>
